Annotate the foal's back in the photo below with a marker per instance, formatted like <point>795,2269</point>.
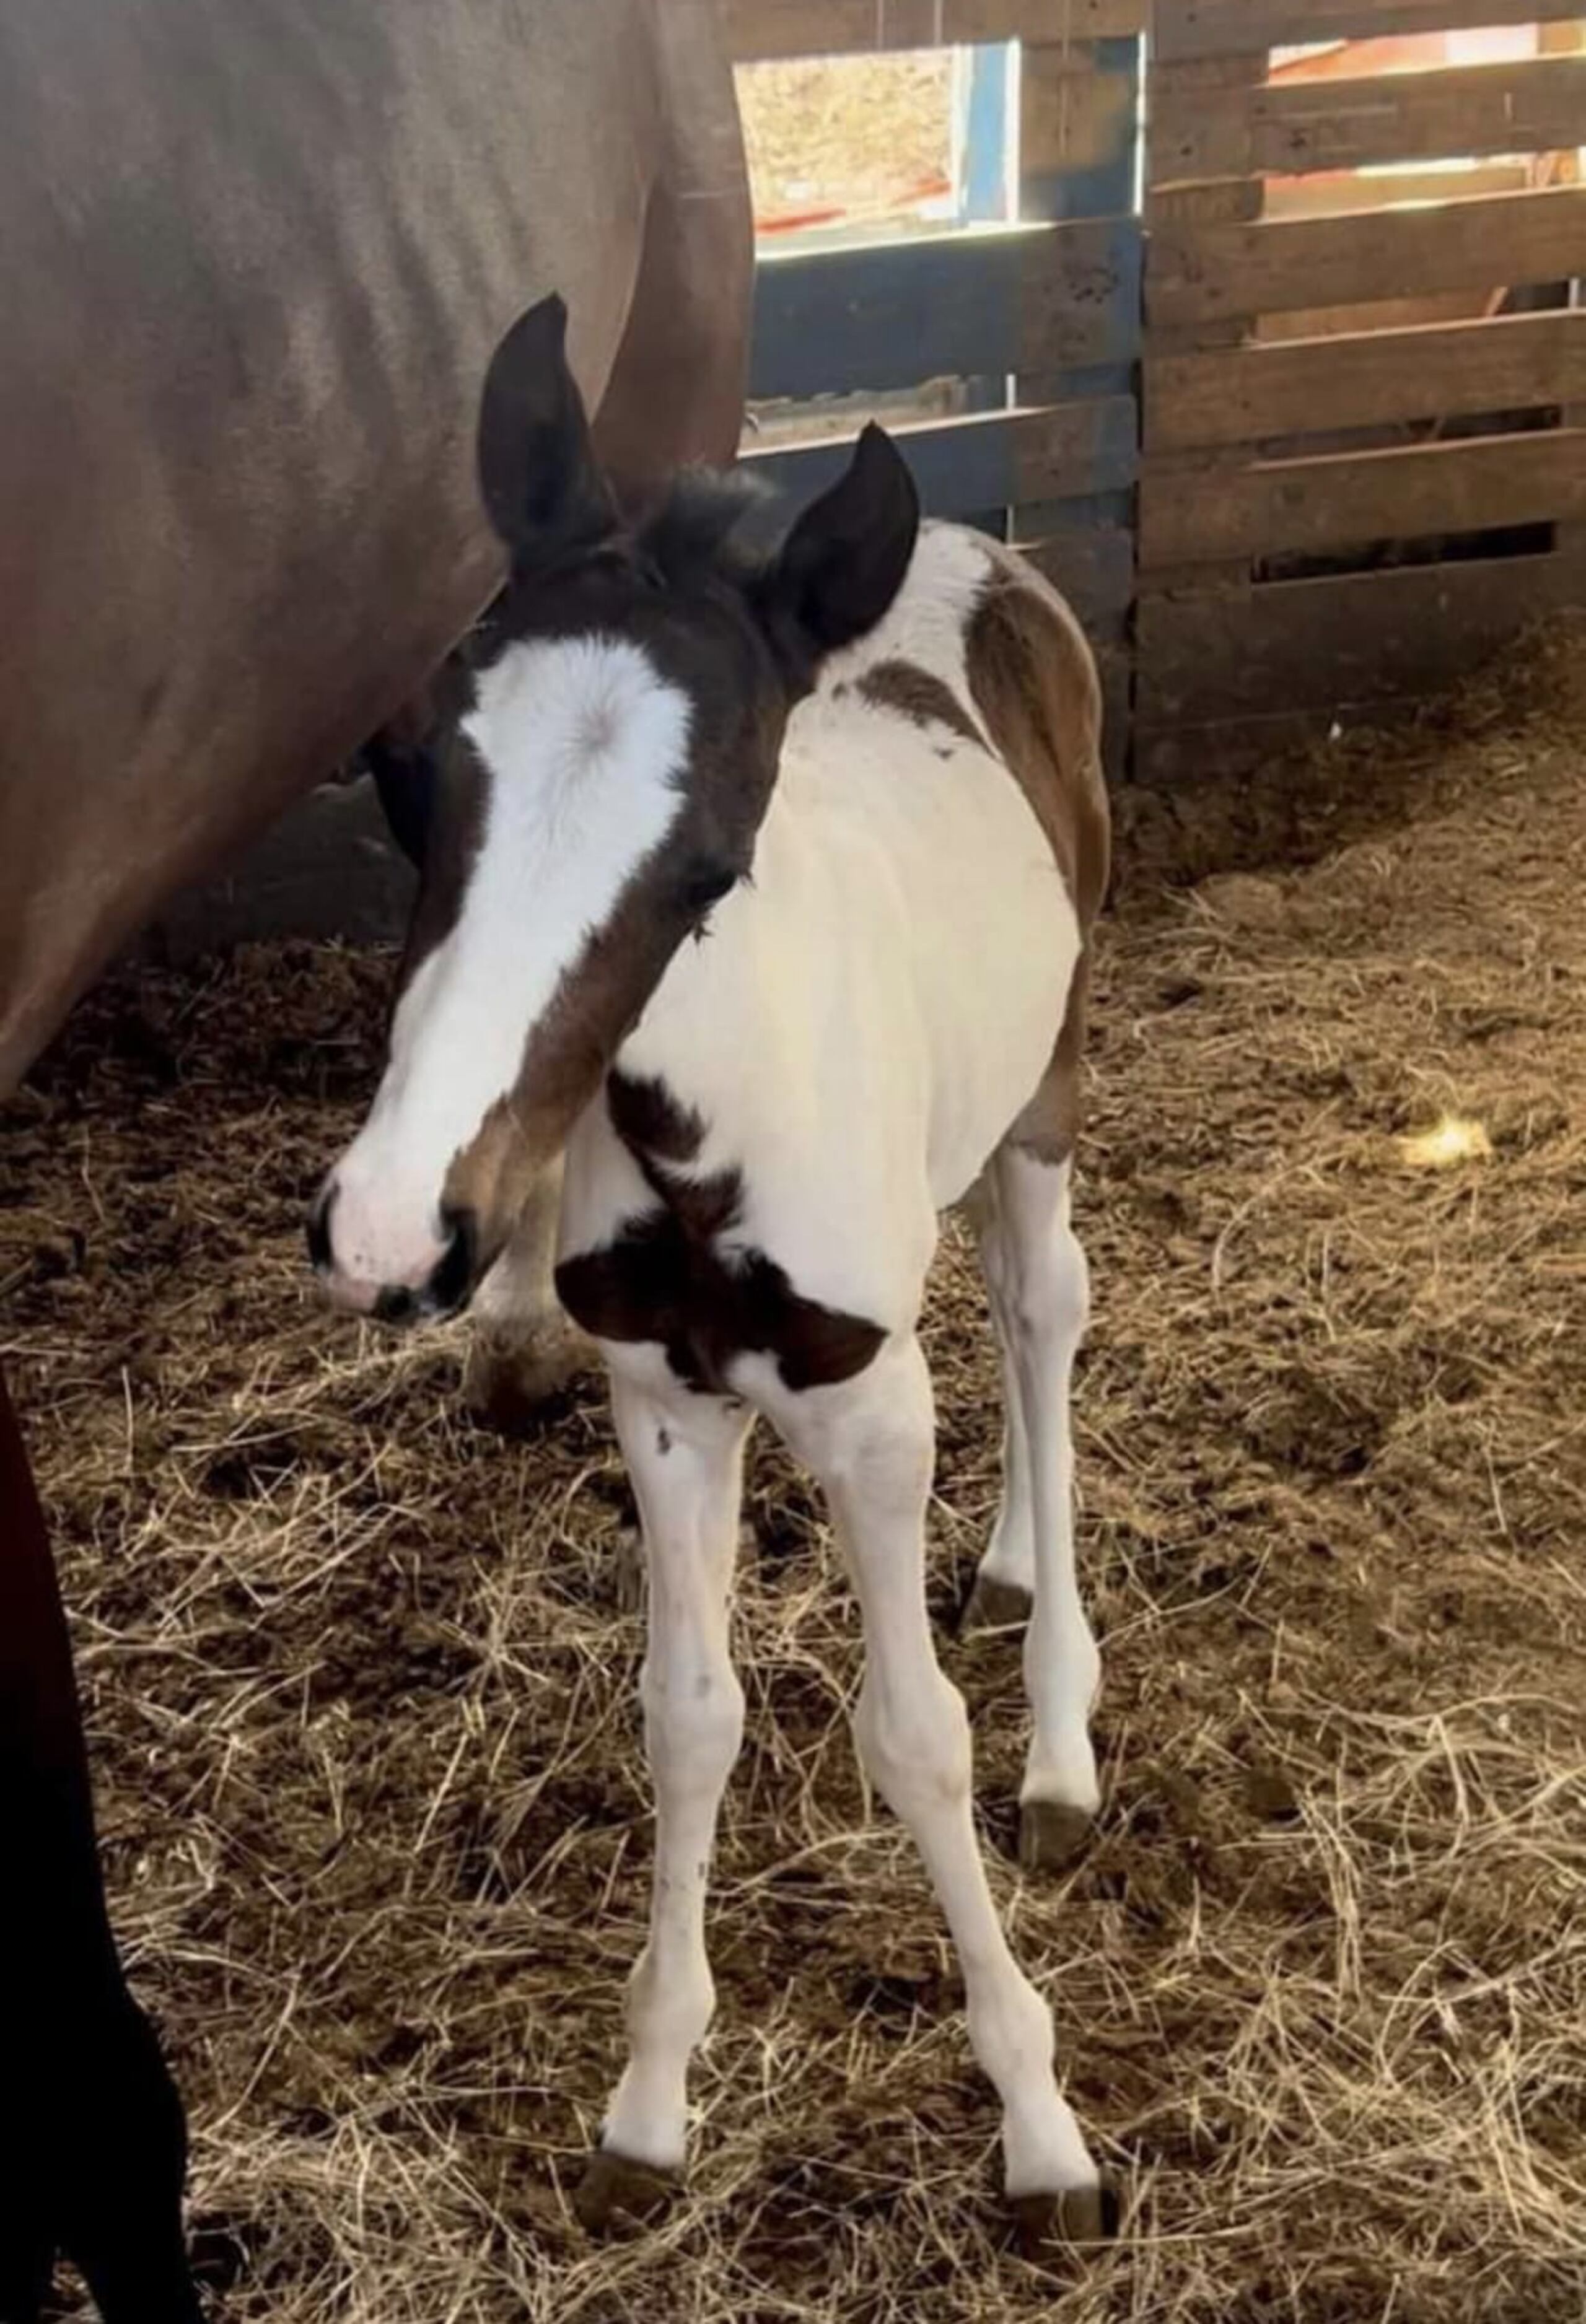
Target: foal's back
<point>951,762</point>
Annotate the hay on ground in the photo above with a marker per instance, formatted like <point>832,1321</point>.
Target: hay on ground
<point>361,1686</point>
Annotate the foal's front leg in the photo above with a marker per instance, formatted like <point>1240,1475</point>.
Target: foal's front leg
<point>872,1443</point>
<point>685,1456</point>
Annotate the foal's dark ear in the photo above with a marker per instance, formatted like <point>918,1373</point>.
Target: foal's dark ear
<point>537,474</point>
<point>844,560</point>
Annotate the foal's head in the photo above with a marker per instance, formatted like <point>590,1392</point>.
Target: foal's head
<point>629,692</point>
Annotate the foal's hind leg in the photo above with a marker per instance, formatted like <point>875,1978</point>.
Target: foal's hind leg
<point>685,1456</point>
<point>1039,1287</point>
<point>1004,1584</point>
<point>871,1443</point>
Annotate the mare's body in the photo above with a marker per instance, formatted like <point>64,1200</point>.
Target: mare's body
<point>254,257</point>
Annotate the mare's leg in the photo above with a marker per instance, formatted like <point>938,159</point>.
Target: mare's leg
<point>685,1454</point>
<point>676,393</point>
<point>93,2146</point>
<point>1040,1296</point>
<point>871,1444</point>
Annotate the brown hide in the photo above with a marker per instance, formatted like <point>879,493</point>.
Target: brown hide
<point>254,256</point>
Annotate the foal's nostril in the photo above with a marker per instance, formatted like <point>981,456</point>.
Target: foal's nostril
<point>395,1304</point>
<point>319,1228</point>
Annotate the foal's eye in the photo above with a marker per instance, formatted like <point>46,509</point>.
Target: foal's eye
<point>705,884</point>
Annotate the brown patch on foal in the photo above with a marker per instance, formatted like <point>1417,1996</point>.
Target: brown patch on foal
<point>664,1279</point>
<point>1034,682</point>
<point>915,693</point>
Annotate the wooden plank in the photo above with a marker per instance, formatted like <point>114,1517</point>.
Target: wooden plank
<point>885,314</point>
<point>1094,570</point>
<point>1175,756</point>
<point>1276,266</point>
<point>1532,106</point>
<point>990,461</point>
<point>1349,498</point>
<point>1219,28</point>
<point>757,30</point>
<point>1364,378</point>
<point>1313,644</point>
<point>1079,110</point>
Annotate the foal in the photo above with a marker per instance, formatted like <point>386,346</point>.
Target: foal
<point>865,769</point>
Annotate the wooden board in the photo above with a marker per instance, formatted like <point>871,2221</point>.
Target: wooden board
<point>1094,566</point>
<point>1364,378</point>
<point>1218,28</point>
<point>1349,499</point>
<point>1311,644</point>
<point>884,315</point>
<point>760,29</point>
<point>1079,110</point>
<point>1208,274</point>
<point>1533,106</point>
<point>990,461</point>
<point>1174,757</point>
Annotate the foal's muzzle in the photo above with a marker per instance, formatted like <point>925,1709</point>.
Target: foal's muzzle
<point>446,1287</point>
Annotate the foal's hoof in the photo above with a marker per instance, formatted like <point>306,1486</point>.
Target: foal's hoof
<point>995,1605</point>
<point>1051,1834</point>
<point>613,2187</point>
<point>1048,2224</point>
<point>510,1375</point>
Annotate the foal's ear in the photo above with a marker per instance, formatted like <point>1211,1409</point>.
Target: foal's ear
<point>844,560</point>
<point>538,477</point>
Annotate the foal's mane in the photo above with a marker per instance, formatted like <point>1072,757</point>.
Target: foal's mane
<point>720,522</point>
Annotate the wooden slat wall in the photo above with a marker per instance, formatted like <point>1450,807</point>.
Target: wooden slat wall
<point>886,315</point>
<point>1183,29</point>
<point>1079,114</point>
<point>1053,302</point>
<point>1256,452</point>
<point>758,30</point>
<point>1214,274</point>
<point>1245,395</point>
<point>1063,451</point>
<point>1240,445</point>
<point>1518,107</point>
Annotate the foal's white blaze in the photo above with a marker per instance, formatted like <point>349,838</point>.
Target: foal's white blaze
<point>586,746</point>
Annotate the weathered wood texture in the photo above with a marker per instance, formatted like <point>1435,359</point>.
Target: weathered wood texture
<point>1229,669</point>
<point>992,460</point>
<point>1367,637</point>
<point>1345,499</point>
<point>1526,107</point>
<point>1362,379</point>
<point>761,29</point>
<point>1218,28</point>
<point>1024,299</point>
<point>1202,274</point>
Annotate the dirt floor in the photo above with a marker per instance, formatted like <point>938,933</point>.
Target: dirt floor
<point>360,1688</point>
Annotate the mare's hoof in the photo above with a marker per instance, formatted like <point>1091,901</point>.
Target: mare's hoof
<point>995,1605</point>
<point>1051,1834</point>
<point>613,2187</point>
<point>1048,2224</point>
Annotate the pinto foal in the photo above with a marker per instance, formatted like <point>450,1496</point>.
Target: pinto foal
<point>865,769</point>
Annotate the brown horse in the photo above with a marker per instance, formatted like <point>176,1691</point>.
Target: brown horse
<point>254,256</point>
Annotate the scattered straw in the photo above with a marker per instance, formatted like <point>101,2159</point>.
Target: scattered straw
<point>360,1688</point>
